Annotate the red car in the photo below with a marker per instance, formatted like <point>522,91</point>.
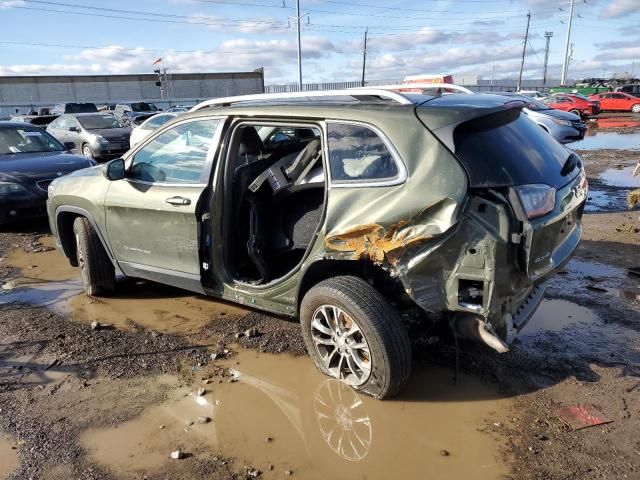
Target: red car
<point>574,103</point>
<point>617,101</point>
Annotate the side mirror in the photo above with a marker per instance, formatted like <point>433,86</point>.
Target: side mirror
<point>114,170</point>
<point>69,145</point>
<point>73,129</point>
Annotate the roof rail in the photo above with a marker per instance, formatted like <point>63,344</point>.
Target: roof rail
<point>426,86</point>
<point>385,93</point>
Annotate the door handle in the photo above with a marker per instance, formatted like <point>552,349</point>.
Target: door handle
<point>178,201</point>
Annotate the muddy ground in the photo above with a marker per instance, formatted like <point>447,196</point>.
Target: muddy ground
<point>116,401</point>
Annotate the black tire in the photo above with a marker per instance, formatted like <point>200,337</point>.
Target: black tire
<point>98,274</point>
<point>576,112</point>
<point>379,323</point>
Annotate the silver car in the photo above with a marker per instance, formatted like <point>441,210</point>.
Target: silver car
<point>565,127</point>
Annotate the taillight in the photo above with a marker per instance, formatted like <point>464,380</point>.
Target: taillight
<point>537,200</point>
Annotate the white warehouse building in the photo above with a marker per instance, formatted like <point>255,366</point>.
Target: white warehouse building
<point>26,93</point>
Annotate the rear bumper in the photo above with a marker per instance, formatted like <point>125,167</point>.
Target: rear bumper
<point>566,134</point>
<point>482,267</point>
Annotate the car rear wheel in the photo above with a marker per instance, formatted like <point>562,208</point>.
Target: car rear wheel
<point>86,151</point>
<point>98,274</point>
<point>636,108</point>
<point>576,112</point>
<point>353,334</point>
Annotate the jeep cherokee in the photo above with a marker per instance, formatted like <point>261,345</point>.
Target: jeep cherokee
<point>347,209</point>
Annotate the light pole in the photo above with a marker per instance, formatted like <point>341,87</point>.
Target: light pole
<point>297,18</point>
<point>548,36</point>
<point>565,65</point>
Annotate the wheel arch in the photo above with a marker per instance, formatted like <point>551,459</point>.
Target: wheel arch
<point>65,216</point>
<point>323,269</point>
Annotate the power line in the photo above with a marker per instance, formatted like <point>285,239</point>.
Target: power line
<point>407,9</point>
<point>200,20</point>
<point>133,49</point>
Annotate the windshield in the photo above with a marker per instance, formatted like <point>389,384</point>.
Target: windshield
<point>535,105</point>
<point>143,107</point>
<point>96,122</point>
<point>27,140</point>
<point>581,97</point>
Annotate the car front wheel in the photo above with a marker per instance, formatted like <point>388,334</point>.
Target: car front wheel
<point>636,108</point>
<point>98,274</point>
<point>576,112</point>
<point>86,151</point>
<point>353,334</point>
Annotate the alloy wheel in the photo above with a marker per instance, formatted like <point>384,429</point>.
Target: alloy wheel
<point>341,345</point>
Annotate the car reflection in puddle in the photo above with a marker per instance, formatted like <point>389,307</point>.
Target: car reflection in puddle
<point>279,411</point>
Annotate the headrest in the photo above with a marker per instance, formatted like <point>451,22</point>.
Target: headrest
<point>250,142</point>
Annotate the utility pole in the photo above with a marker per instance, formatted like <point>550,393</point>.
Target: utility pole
<point>548,36</point>
<point>565,65</point>
<point>524,50</point>
<point>364,56</point>
<point>493,69</point>
<point>300,44</point>
<point>297,18</point>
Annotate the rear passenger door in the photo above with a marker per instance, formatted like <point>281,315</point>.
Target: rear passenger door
<point>151,215</point>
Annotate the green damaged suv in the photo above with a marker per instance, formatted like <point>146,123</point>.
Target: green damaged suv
<point>347,209</point>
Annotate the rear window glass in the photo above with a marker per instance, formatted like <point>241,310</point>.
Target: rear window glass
<point>357,153</point>
<point>80,108</point>
<point>96,122</point>
<point>506,149</point>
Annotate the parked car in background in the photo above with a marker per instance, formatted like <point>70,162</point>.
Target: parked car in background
<point>30,159</point>
<point>565,127</point>
<point>633,89</point>
<point>132,114</point>
<point>177,110</point>
<point>95,135</point>
<point>336,217</point>
<point>149,125</point>
<point>107,108</point>
<point>533,94</point>
<point>574,103</point>
<point>39,120</point>
<point>617,101</point>
<point>61,108</point>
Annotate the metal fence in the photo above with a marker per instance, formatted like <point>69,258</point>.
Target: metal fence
<point>502,85</point>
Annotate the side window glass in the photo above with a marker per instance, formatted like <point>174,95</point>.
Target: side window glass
<point>357,153</point>
<point>177,155</point>
<point>63,123</point>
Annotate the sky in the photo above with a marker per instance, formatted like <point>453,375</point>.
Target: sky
<point>459,37</point>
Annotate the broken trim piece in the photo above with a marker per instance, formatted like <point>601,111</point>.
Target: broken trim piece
<point>475,328</point>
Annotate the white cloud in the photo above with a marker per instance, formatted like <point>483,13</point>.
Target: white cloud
<point>628,53</point>
<point>232,55</point>
<point>618,8</point>
<point>11,3</point>
<point>252,25</point>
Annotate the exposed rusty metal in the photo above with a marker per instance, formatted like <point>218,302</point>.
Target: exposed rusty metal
<point>376,243</point>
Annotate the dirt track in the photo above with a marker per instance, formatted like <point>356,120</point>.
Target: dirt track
<point>83,403</point>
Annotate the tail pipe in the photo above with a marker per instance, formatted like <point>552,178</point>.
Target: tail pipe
<point>475,328</point>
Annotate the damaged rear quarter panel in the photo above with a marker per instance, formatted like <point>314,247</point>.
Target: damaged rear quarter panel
<point>390,225</point>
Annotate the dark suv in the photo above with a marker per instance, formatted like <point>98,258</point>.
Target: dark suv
<point>74,107</point>
<point>348,209</point>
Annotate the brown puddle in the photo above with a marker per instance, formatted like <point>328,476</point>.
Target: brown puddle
<point>50,265</point>
<point>8,456</point>
<point>282,412</point>
<point>48,280</point>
